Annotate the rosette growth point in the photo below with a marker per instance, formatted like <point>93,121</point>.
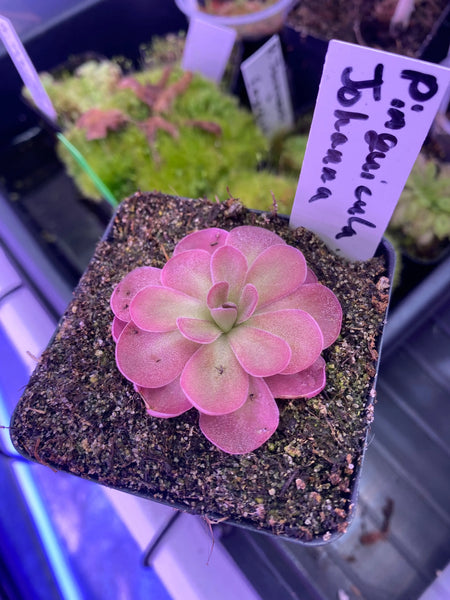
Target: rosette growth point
<point>232,321</point>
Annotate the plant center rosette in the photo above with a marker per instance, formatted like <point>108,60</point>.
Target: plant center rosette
<point>232,321</point>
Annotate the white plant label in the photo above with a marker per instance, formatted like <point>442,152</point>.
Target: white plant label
<point>25,67</point>
<point>267,87</point>
<point>373,112</point>
<point>207,49</point>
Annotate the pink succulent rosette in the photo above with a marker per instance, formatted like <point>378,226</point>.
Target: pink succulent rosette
<point>232,321</point>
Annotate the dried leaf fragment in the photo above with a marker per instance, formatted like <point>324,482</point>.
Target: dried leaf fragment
<point>151,126</point>
<point>208,126</point>
<point>168,95</point>
<point>380,298</point>
<point>371,537</point>
<point>148,93</point>
<point>97,122</point>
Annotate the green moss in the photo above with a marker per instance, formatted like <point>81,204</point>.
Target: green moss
<point>196,163</point>
<point>92,85</point>
<point>163,50</point>
<point>292,154</point>
<point>189,165</point>
<point>115,167</point>
<point>420,224</point>
<point>255,189</point>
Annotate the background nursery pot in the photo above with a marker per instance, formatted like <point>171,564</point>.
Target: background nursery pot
<point>251,24</point>
<point>78,414</point>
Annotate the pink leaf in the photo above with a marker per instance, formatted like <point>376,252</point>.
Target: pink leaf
<point>259,352</point>
<point>276,272</point>
<point>207,239</point>
<point>158,308</point>
<point>230,265</point>
<point>247,428</point>
<point>321,303</point>
<point>189,272</point>
<point>218,294</point>
<point>225,316</point>
<point>152,359</point>
<point>198,330</point>
<point>165,402</point>
<point>247,303</point>
<point>298,329</point>
<point>310,276</point>
<point>130,285</point>
<point>213,380</point>
<point>251,241</point>
<point>117,327</point>
<point>305,384</point>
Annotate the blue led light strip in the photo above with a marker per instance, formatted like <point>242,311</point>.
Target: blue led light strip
<point>61,571</point>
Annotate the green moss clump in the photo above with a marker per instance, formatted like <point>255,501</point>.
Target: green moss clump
<point>109,158</point>
<point>258,190</point>
<point>188,164</point>
<point>162,50</point>
<point>292,154</point>
<point>420,224</point>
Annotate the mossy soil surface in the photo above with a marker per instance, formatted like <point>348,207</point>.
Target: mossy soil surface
<point>79,414</point>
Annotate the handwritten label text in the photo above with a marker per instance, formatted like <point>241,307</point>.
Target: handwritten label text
<point>265,78</point>
<point>373,112</point>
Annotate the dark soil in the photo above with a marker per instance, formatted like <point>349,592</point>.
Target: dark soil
<point>78,414</point>
<point>366,22</point>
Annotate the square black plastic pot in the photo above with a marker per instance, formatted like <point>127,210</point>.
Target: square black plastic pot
<point>79,415</point>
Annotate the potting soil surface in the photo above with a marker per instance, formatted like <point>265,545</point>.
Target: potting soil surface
<point>367,23</point>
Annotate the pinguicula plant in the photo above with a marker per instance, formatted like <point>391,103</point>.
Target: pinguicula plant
<point>232,321</point>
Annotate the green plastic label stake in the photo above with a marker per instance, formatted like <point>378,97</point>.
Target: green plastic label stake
<point>101,187</point>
